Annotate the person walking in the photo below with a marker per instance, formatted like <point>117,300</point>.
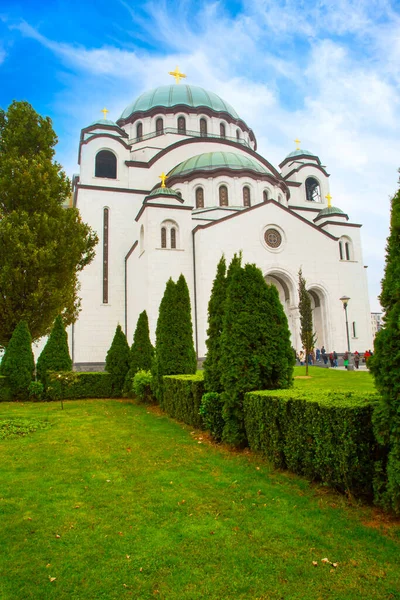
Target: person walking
<point>301,358</point>
<point>346,360</point>
<point>331,360</point>
<point>318,355</point>
<point>356,359</point>
<point>335,357</point>
<point>324,355</point>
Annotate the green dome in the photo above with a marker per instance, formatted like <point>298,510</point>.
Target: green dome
<point>178,94</point>
<point>299,152</point>
<point>163,191</point>
<point>210,161</point>
<point>103,122</point>
<point>330,210</point>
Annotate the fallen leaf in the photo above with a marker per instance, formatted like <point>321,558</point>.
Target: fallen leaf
<point>120,533</point>
<point>335,565</point>
<point>127,556</point>
<point>325,560</point>
<point>315,564</point>
<point>128,450</point>
<point>52,579</point>
<point>77,506</point>
<point>48,565</point>
<point>211,533</point>
<point>141,569</point>
<point>58,536</point>
<point>29,518</point>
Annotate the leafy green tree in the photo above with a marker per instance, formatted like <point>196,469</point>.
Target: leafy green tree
<point>256,349</point>
<point>216,307</point>
<point>55,355</point>
<point>385,366</point>
<point>43,246</point>
<point>175,353</point>
<point>307,336</point>
<point>18,363</point>
<point>118,360</point>
<point>142,351</point>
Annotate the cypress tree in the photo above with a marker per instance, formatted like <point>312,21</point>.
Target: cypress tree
<point>256,349</point>
<point>142,351</point>
<point>385,365</point>
<point>216,305</point>
<point>55,355</point>
<point>18,363</point>
<point>117,361</point>
<point>307,336</point>
<point>186,360</point>
<point>162,363</point>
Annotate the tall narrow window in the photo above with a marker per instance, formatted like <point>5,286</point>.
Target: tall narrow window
<point>173,237</point>
<point>159,127</point>
<point>181,125</point>
<point>237,134</point>
<point>313,191</point>
<point>265,195</point>
<point>223,195</point>
<point>105,254</point>
<point>347,248</point>
<point>246,196</point>
<point>222,130</point>
<point>139,132</point>
<point>106,165</point>
<point>203,128</point>
<point>163,237</point>
<point>199,197</point>
<point>354,329</point>
<point>341,250</point>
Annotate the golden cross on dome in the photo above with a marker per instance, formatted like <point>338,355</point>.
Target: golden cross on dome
<point>105,111</point>
<point>329,198</point>
<point>163,177</point>
<point>177,74</point>
<point>297,142</point>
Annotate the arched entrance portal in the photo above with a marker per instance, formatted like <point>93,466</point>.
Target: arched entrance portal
<point>320,317</point>
<point>287,295</point>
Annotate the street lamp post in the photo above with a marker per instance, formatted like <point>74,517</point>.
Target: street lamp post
<point>345,300</point>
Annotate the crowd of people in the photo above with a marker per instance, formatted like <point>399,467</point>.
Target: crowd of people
<point>322,356</point>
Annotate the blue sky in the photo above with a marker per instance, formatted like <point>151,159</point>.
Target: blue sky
<point>327,72</point>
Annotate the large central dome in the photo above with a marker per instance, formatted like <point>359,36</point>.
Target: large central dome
<point>212,161</point>
<point>175,95</point>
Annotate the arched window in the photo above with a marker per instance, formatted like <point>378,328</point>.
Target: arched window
<point>346,248</point>
<point>237,134</point>
<point>223,195</point>
<point>159,127</point>
<point>139,131</point>
<point>313,191</point>
<point>163,237</point>
<point>222,130</point>
<point>265,195</point>
<point>246,196</point>
<point>203,128</point>
<point>199,197</point>
<point>106,214</point>
<point>181,125</point>
<point>106,165</point>
<point>173,237</point>
<point>341,250</point>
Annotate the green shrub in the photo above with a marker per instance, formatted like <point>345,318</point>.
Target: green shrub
<point>36,391</point>
<point>211,413</point>
<point>216,306</point>
<point>117,361</point>
<point>18,363</point>
<point>5,392</point>
<point>326,437</point>
<point>55,355</point>
<point>182,397</point>
<point>73,386</point>
<point>141,386</point>
<point>142,351</point>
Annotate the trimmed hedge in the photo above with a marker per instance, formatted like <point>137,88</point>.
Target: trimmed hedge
<point>211,410</point>
<point>74,386</point>
<point>5,391</point>
<point>182,396</point>
<point>327,438</point>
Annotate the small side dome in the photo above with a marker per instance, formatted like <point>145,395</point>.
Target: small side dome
<point>300,152</point>
<point>330,211</point>
<point>103,122</point>
<point>163,191</point>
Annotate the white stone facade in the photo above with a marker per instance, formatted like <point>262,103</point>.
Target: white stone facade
<point>131,268</point>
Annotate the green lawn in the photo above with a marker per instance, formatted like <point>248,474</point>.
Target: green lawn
<point>335,379</point>
<point>116,501</point>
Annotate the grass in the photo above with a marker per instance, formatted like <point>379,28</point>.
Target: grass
<point>338,380</point>
<point>116,501</point>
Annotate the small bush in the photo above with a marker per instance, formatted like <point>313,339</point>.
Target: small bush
<point>141,386</point>
<point>182,396</point>
<point>5,392</point>
<point>326,437</point>
<point>117,361</point>
<point>18,363</point>
<point>142,351</point>
<point>211,413</point>
<point>73,386</point>
<point>36,391</point>
<point>55,355</point>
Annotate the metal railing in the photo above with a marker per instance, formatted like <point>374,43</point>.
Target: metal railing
<point>188,133</point>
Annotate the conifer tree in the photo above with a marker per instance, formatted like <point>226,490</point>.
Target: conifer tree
<point>117,361</point>
<point>256,349</point>
<point>385,364</point>
<point>142,351</point>
<point>307,336</point>
<point>186,360</point>
<point>55,355</point>
<point>216,306</point>
<point>18,363</point>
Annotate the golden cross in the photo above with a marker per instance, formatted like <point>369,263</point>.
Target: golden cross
<point>105,111</point>
<point>297,142</point>
<point>177,74</point>
<point>163,177</point>
<point>329,198</point>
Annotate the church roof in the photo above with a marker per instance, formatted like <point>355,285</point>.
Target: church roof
<point>299,152</point>
<point>174,95</point>
<point>330,211</point>
<point>103,122</point>
<point>210,161</point>
<point>163,191</point>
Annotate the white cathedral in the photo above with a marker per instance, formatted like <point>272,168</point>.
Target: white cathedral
<point>216,196</point>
